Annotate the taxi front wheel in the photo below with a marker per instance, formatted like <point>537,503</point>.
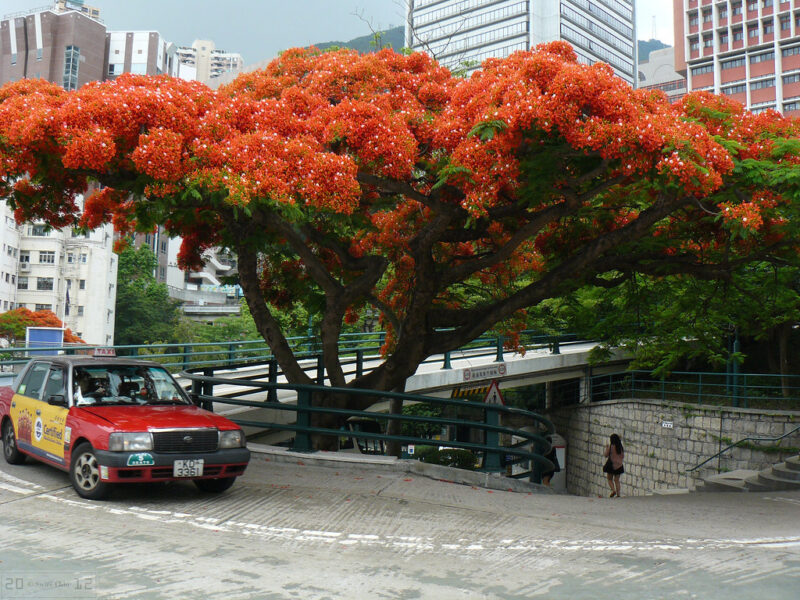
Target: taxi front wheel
<point>214,485</point>
<point>84,472</point>
<point>10,451</point>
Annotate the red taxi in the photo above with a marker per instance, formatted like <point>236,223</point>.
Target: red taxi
<point>110,420</point>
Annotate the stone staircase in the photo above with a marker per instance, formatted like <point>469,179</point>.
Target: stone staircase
<point>781,476</point>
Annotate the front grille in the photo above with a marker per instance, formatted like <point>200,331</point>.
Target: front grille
<point>186,440</point>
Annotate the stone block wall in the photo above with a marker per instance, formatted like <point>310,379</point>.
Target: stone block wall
<point>664,439</point>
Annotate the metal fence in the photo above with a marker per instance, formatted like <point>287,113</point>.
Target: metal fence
<point>743,390</point>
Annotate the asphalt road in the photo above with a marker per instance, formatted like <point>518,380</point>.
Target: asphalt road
<point>297,530</point>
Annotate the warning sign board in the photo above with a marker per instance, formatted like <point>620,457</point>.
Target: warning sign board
<point>493,396</point>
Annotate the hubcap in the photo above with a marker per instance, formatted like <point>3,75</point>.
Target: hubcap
<point>87,474</point>
<point>8,439</point>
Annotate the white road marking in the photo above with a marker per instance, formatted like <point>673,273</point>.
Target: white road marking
<point>422,544</point>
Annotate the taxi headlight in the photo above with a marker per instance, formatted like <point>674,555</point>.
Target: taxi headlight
<point>231,439</point>
<point>130,442</point>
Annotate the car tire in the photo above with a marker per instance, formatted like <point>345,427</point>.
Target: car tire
<point>84,473</point>
<point>10,451</point>
<point>214,485</point>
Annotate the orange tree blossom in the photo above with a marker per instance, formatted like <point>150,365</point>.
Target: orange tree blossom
<point>449,205</point>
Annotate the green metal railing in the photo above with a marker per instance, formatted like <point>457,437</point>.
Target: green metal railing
<point>744,390</point>
<point>353,346</point>
<point>739,443</point>
<point>496,455</point>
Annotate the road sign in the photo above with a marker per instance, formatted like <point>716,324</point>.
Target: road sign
<point>493,396</point>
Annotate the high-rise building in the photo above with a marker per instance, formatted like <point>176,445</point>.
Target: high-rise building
<point>748,50</point>
<point>72,274</point>
<point>658,73</point>
<point>462,33</point>
<point>140,52</point>
<point>67,48</point>
<point>203,62</point>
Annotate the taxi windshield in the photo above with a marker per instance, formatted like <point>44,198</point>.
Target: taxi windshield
<point>125,384</point>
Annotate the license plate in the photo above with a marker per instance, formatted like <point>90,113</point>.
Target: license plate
<point>187,468</point>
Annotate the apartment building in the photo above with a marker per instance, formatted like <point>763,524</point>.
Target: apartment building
<point>748,50</point>
<point>203,62</point>
<point>72,274</point>
<point>462,33</point>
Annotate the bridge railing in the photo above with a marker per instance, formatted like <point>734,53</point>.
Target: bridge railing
<point>502,443</point>
<point>356,346</point>
<point>744,390</point>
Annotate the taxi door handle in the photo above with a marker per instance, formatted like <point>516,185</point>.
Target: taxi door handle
<point>38,413</point>
<point>14,404</point>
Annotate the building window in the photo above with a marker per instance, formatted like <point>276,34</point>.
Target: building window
<point>72,56</point>
<point>762,57</point>
<point>84,257</point>
<point>70,258</point>
<point>738,35</point>
<point>80,311</point>
<point>769,27</point>
<point>790,106</point>
<point>752,31</point>
<point>708,41</point>
<point>22,283</point>
<point>82,284</point>
<point>764,83</point>
<point>723,38</point>
<point>702,70</point>
<point>693,21</point>
<point>786,24</point>
<point>723,13</point>
<point>784,52</point>
<point>736,8</point>
<point>706,16</point>
<point>39,231</point>
<point>13,279</point>
<point>694,45</point>
<point>793,78</point>
<point>47,257</point>
<point>752,6</point>
<point>767,3</point>
<point>44,284</point>
<point>44,307</point>
<point>24,256</point>
<point>734,89</point>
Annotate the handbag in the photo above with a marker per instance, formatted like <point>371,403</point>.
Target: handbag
<point>608,467</point>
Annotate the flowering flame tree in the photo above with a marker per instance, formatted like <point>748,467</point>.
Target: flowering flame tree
<point>448,205</point>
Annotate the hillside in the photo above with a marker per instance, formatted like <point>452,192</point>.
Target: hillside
<point>394,37</point>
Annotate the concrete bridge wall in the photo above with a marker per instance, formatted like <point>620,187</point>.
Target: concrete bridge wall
<point>657,455</point>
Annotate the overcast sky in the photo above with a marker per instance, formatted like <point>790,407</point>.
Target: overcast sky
<point>259,29</point>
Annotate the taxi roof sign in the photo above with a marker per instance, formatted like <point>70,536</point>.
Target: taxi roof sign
<point>106,352</point>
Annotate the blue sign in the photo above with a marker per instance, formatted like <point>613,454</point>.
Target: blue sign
<point>44,337</point>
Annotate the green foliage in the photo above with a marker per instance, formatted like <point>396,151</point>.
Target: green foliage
<point>421,430</point>
<point>145,313</point>
<point>448,457</point>
<point>487,129</point>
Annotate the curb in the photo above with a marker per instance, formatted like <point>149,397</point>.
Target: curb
<point>321,458</point>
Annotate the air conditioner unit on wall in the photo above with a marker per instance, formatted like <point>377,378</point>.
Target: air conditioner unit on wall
<point>24,266</point>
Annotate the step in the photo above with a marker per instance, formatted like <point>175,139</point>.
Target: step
<point>742,480</point>
<point>784,471</point>
<point>669,491</point>
<point>774,482</point>
<point>793,463</point>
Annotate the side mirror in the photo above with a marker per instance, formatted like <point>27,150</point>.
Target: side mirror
<point>57,400</point>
